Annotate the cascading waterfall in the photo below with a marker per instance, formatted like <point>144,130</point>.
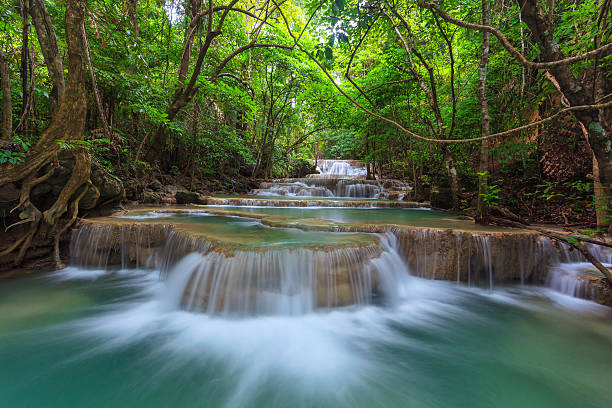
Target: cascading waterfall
<point>571,275</point>
<point>131,245</point>
<point>126,338</point>
<point>289,281</point>
<point>240,283</point>
<point>280,282</point>
<point>300,280</point>
<point>352,168</point>
<point>486,259</point>
<point>336,178</point>
<point>572,279</point>
<point>334,187</point>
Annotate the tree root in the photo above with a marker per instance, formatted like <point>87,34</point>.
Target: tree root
<point>75,210</point>
<point>79,180</point>
<point>29,213</point>
<point>80,175</point>
<point>14,246</point>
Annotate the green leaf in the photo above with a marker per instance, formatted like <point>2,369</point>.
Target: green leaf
<point>329,54</point>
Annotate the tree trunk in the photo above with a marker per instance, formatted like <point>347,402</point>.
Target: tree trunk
<point>453,177</point>
<point>431,94</point>
<point>50,50</point>
<point>66,126</point>
<point>600,139</point>
<point>481,210</point>
<point>7,104</point>
<point>599,197</point>
<point>23,71</point>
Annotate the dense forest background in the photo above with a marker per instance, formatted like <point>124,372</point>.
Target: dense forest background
<point>214,95</point>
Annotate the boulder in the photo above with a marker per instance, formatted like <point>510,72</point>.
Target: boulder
<point>89,200</point>
<point>133,190</point>
<point>156,185</point>
<point>601,291</point>
<point>188,197</point>
<point>110,187</point>
<point>150,197</point>
<point>171,189</point>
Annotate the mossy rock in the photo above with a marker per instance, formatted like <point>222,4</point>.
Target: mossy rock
<point>188,197</point>
<point>442,198</point>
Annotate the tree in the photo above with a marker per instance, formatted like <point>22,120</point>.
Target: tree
<point>186,89</point>
<point>62,136</point>
<point>50,49</point>
<point>7,104</point>
<point>481,210</point>
<point>585,93</point>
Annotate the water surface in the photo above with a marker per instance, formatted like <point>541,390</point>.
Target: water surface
<point>400,216</point>
<point>247,232</point>
<point>91,338</point>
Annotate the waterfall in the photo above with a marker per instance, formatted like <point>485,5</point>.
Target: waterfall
<point>352,168</point>
<point>572,279</point>
<point>485,259</point>
<point>298,280</point>
<point>131,245</point>
<point>572,276</point>
<point>334,187</point>
<point>240,283</point>
<point>310,202</point>
<point>288,281</point>
<point>336,178</point>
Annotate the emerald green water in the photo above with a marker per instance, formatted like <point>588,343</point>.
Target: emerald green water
<point>88,338</point>
<point>401,216</point>
<point>250,233</point>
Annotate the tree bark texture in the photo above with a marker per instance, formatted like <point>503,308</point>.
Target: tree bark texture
<point>7,104</point>
<point>50,50</point>
<point>484,115</point>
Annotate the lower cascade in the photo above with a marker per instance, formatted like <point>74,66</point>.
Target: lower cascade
<point>286,282</point>
<point>217,279</point>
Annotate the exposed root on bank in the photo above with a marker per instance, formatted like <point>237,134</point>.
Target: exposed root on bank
<point>75,210</point>
<point>45,224</point>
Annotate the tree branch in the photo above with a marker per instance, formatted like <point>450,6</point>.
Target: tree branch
<point>243,83</point>
<point>510,48</point>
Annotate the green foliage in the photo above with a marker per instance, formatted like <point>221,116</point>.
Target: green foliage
<point>12,157</point>
<point>272,109</point>
<point>6,156</point>
<point>340,144</point>
<point>491,194</point>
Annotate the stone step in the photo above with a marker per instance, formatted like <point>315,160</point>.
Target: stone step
<point>311,202</point>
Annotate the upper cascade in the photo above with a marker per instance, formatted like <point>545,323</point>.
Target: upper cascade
<point>340,168</point>
<point>336,179</point>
